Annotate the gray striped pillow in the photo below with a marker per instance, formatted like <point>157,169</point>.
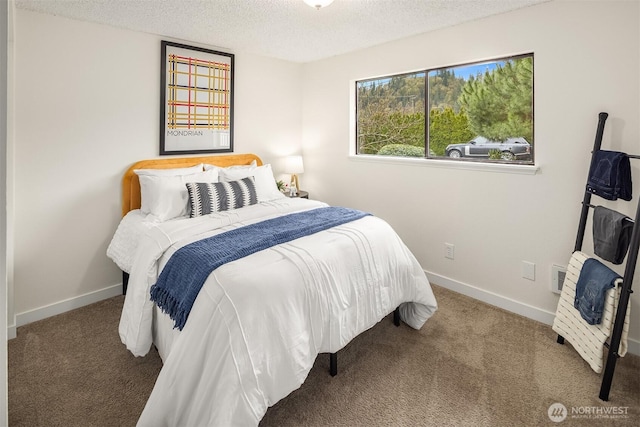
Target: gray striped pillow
<point>209,197</point>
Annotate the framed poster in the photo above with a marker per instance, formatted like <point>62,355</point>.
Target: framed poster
<point>196,100</point>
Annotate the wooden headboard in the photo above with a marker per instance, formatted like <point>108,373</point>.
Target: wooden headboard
<point>131,183</point>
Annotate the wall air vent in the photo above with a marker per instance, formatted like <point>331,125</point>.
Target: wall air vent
<point>558,274</point>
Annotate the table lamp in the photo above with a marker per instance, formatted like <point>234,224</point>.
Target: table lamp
<point>294,166</point>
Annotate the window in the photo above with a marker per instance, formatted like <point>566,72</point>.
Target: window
<point>475,112</point>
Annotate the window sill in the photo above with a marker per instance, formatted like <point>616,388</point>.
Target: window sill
<point>449,164</point>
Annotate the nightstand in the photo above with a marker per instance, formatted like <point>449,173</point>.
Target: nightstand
<point>301,194</point>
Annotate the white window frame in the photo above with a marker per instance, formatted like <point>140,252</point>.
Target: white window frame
<point>438,162</point>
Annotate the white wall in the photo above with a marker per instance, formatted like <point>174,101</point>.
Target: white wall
<point>87,106</point>
<point>586,61</point>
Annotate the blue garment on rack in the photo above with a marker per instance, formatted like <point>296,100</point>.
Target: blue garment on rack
<point>593,283</point>
<point>610,175</point>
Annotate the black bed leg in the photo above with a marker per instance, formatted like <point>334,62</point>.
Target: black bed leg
<point>560,339</point>
<point>333,364</point>
<point>125,282</point>
<point>396,316</point>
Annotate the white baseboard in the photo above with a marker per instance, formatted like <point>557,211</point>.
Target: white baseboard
<point>11,332</point>
<point>534,313</point>
<point>62,307</point>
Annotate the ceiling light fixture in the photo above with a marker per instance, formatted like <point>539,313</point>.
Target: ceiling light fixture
<point>318,4</point>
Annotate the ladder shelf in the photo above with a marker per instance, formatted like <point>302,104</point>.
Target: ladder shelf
<point>629,270</point>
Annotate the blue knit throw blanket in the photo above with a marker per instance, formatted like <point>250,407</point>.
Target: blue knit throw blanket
<point>188,268</point>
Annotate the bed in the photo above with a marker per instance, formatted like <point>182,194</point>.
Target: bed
<point>292,278</point>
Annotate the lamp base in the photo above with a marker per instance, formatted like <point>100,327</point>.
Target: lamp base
<point>294,180</point>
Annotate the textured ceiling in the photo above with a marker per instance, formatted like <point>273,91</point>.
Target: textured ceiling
<point>285,29</point>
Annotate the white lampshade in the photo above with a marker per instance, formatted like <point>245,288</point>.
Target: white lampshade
<point>318,4</point>
<point>293,164</point>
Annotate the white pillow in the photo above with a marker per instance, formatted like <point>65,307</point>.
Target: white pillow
<point>263,175</point>
<point>208,167</point>
<point>166,197</point>
<point>169,172</point>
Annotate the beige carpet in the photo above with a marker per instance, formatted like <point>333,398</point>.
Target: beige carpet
<point>470,365</point>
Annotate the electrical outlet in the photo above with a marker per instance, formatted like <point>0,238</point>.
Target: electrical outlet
<point>528,270</point>
<point>448,250</point>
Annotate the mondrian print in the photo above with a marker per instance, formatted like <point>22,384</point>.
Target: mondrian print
<point>198,93</point>
<point>209,197</point>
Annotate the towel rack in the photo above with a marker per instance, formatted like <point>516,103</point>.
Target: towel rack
<point>629,271</point>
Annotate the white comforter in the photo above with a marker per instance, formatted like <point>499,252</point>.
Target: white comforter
<point>259,322</point>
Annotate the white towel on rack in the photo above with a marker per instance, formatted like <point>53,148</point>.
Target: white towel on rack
<point>588,340</point>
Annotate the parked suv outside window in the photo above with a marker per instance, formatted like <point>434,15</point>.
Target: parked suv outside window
<point>481,147</point>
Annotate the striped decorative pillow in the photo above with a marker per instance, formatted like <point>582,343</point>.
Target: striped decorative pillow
<point>209,197</point>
